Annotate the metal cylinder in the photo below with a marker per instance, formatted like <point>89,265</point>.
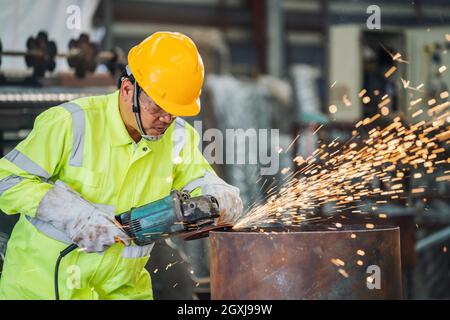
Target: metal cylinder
<point>309,262</point>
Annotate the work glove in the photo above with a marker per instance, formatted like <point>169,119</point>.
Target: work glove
<point>230,203</point>
<point>91,226</point>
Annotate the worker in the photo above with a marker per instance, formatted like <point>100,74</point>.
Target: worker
<point>89,159</point>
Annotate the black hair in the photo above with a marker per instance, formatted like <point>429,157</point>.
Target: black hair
<point>124,75</point>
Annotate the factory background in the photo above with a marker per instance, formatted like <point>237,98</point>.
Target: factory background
<point>294,65</point>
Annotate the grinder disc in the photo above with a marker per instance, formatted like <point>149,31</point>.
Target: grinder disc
<point>204,231</point>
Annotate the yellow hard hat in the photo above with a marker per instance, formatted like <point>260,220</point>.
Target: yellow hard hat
<point>168,67</point>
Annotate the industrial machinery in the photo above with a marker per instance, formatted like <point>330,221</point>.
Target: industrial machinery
<point>83,55</point>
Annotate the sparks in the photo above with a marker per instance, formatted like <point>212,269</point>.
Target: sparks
<point>342,175</point>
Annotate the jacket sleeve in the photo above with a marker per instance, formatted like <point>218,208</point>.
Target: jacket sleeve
<point>190,166</point>
<point>27,172</point>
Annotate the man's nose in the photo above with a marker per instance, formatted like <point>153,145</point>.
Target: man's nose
<point>167,118</point>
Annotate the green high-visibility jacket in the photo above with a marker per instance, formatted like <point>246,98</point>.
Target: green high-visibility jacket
<point>85,144</point>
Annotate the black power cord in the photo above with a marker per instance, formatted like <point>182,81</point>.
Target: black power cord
<point>62,254</point>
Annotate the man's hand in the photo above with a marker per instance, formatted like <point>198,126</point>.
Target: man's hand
<point>91,226</point>
<point>230,203</point>
<point>97,232</point>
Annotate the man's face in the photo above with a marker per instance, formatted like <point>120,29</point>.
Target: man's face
<point>155,120</point>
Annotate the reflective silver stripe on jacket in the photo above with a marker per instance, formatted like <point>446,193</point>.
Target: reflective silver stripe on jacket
<point>79,126</point>
<point>26,164</point>
<point>9,182</point>
<point>179,138</point>
<point>49,230</point>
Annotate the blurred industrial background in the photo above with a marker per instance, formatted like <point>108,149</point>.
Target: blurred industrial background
<point>294,65</point>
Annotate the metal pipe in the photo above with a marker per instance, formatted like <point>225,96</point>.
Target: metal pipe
<point>309,262</point>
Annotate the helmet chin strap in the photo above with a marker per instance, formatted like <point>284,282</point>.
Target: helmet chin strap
<point>137,115</point>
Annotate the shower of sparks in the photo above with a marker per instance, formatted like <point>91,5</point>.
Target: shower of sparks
<point>170,265</point>
<point>443,178</point>
<point>315,131</point>
<point>343,273</point>
<point>346,101</point>
<point>405,83</point>
<point>396,56</point>
<point>332,108</point>
<point>371,279</point>
<point>366,99</point>
<point>338,262</point>
<point>292,143</point>
<point>390,71</point>
<point>342,174</point>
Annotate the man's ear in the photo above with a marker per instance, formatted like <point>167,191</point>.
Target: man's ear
<point>126,90</point>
